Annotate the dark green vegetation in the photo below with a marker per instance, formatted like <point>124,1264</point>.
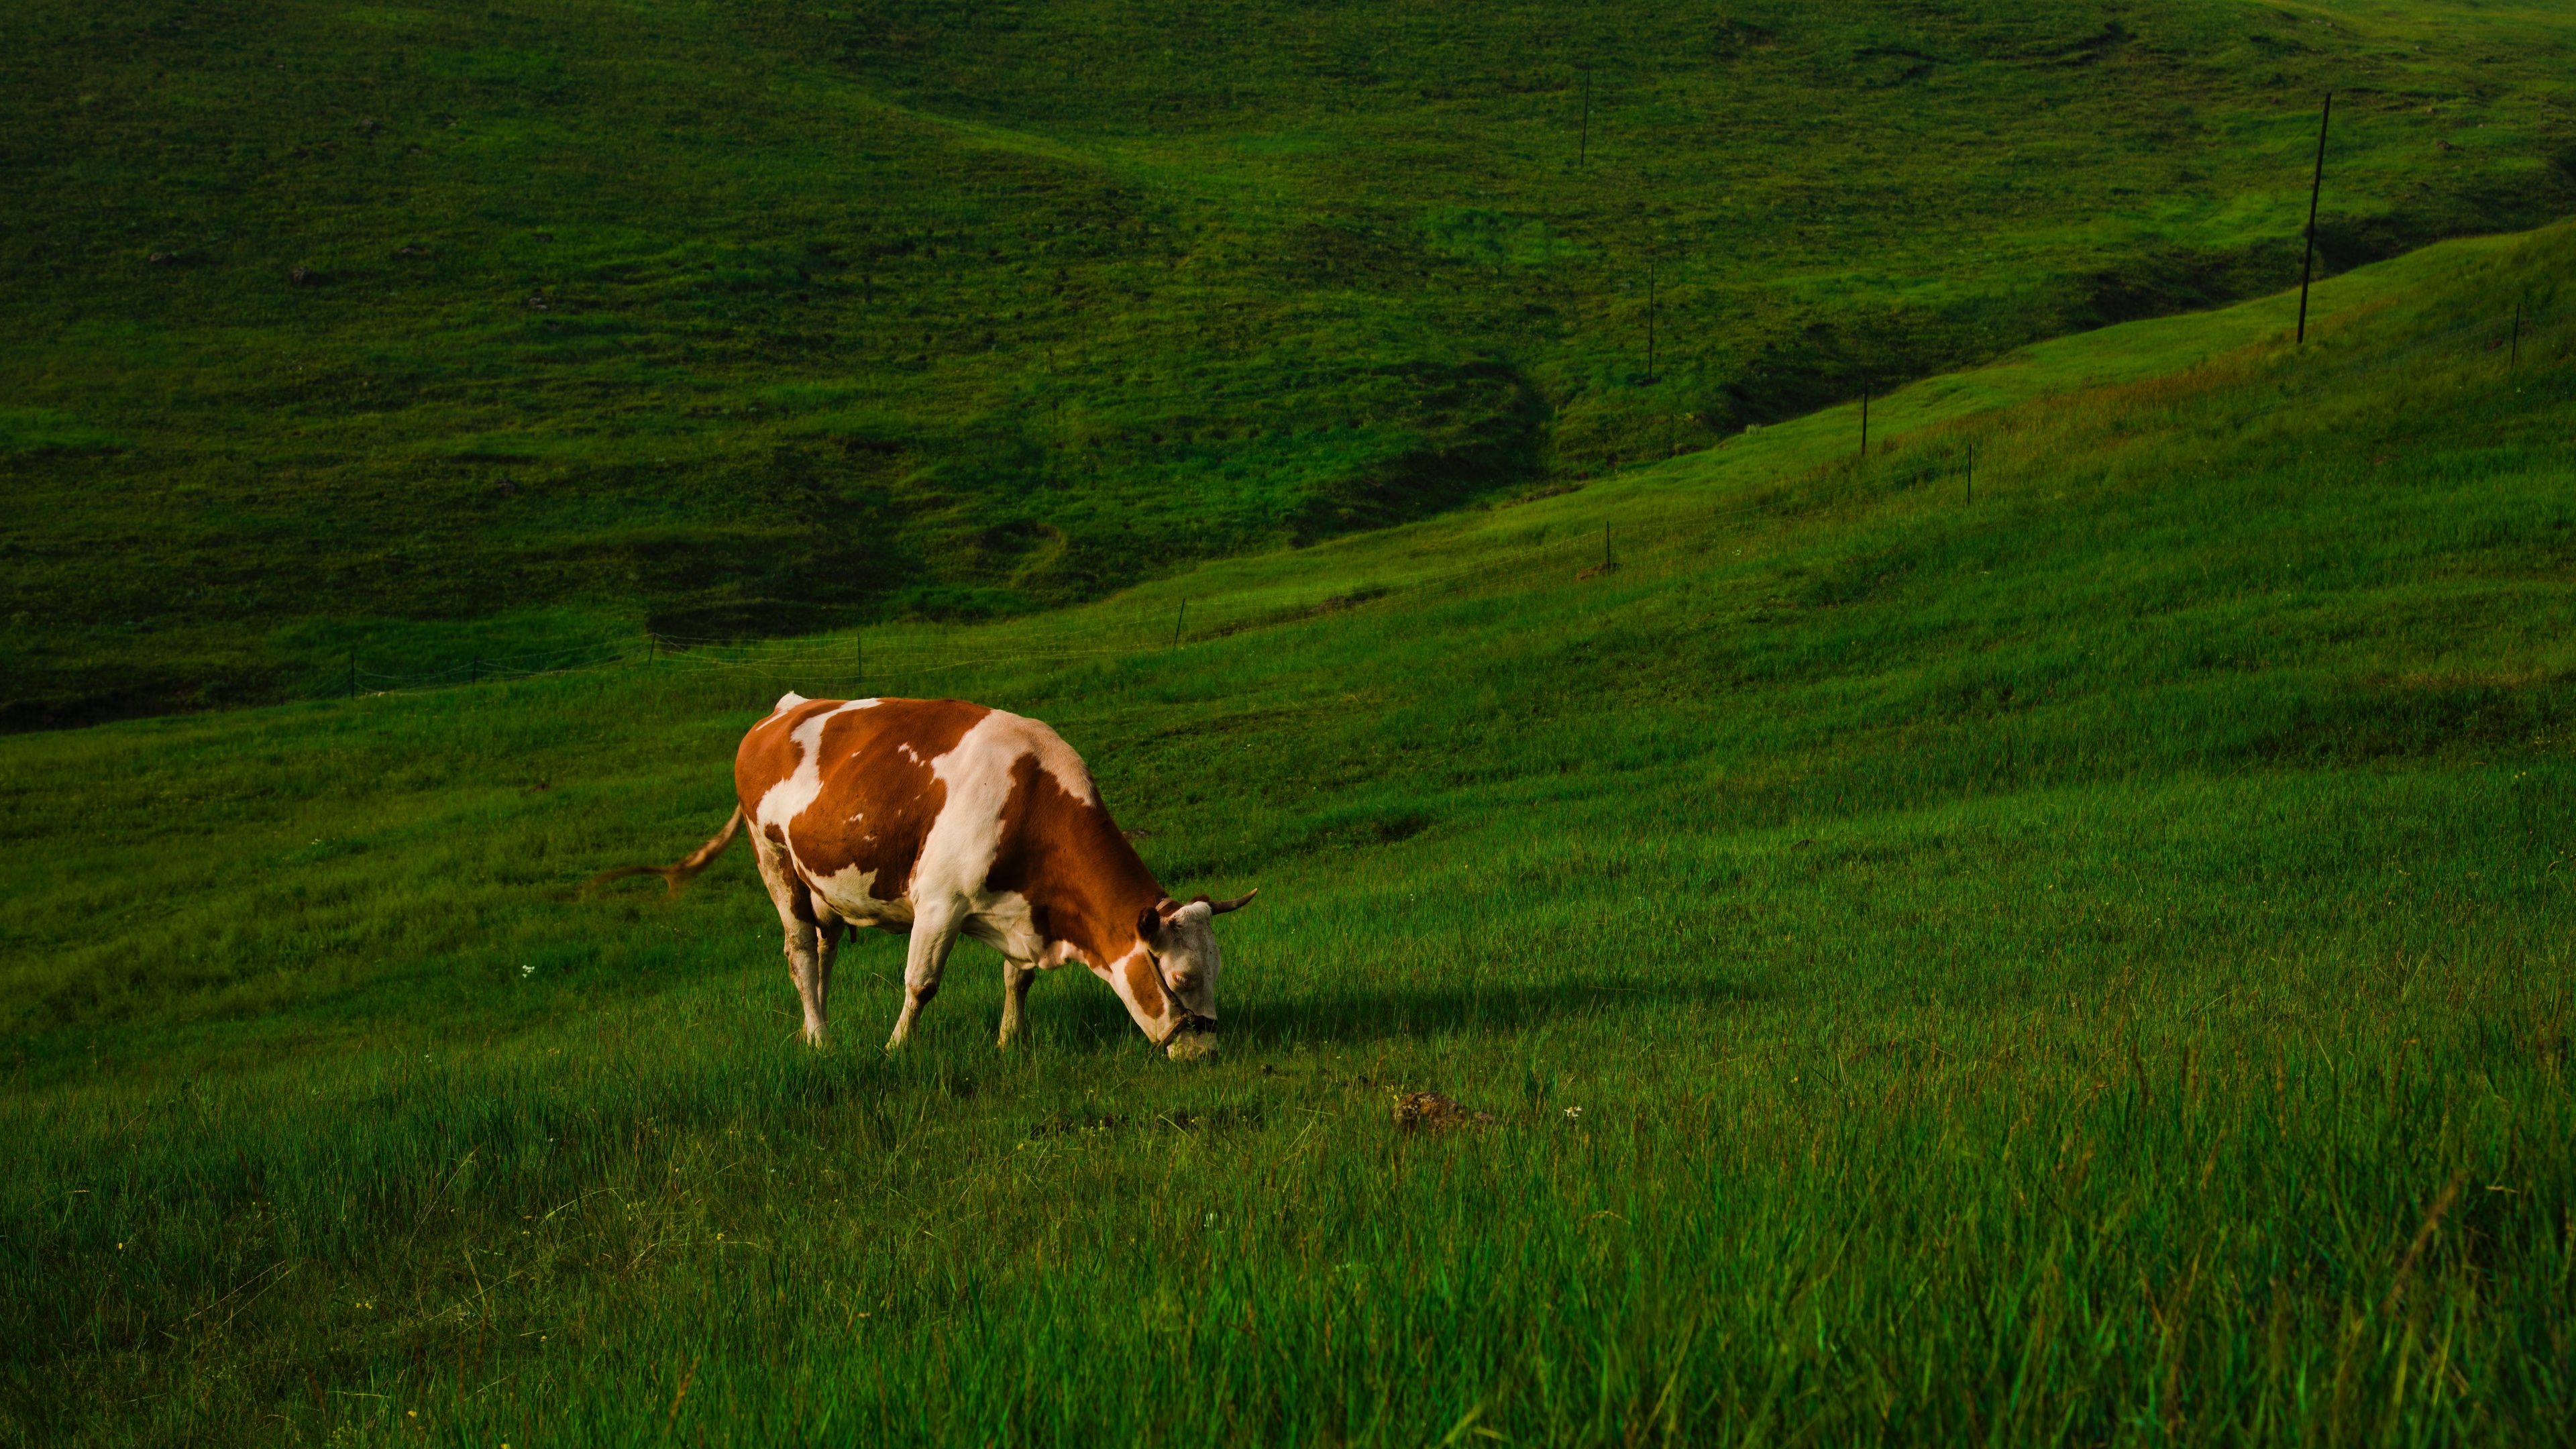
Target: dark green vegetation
<point>2087,966</point>
<point>744,319</point>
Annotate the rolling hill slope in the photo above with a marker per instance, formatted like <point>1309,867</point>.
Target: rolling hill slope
<point>2076,949</point>
<point>443,329</point>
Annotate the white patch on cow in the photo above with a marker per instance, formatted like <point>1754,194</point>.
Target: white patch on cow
<point>851,893</point>
<point>786,702</point>
<point>1058,760</point>
<point>787,799</point>
<point>1005,922</point>
<point>958,853</point>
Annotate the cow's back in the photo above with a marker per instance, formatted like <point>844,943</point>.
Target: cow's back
<point>847,788</point>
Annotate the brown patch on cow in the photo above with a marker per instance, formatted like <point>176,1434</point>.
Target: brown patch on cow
<point>1145,988</point>
<point>879,797</point>
<point>1068,852</point>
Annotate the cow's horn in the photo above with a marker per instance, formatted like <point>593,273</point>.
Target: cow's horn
<point>1238,903</point>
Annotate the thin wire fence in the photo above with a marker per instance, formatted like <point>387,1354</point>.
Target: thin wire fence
<point>1630,542</point>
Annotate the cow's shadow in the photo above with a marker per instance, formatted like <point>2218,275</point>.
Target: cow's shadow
<point>1086,1019</point>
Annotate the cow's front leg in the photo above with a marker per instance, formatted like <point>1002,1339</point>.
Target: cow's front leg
<point>934,931</point>
<point>1016,976</point>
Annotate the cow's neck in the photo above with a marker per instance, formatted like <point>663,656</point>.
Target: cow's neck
<point>1107,887</point>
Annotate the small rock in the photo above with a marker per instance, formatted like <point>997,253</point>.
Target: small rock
<point>537,303</point>
<point>507,488</point>
<point>1430,1111</point>
<point>301,276</point>
<point>162,259</point>
<point>411,249</point>
<point>369,125</point>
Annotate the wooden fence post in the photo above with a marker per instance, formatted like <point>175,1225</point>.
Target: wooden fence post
<point>1650,322</point>
<point>1583,149</point>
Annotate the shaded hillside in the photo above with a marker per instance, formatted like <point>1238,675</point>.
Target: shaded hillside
<point>413,328</point>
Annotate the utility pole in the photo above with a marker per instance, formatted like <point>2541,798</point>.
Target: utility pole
<point>2315,187</point>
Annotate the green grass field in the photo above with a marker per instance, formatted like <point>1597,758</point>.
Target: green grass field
<point>2087,964</point>
<point>754,319</point>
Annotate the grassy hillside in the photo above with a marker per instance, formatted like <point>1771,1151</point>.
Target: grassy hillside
<point>2087,963</point>
<point>439,329</point>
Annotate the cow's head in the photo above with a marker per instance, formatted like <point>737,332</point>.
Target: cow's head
<point>1183,951</point>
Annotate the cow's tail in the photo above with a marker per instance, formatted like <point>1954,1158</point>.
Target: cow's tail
<point>676,876</point>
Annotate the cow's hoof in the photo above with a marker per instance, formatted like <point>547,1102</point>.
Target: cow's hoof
<point>1191,1046</point>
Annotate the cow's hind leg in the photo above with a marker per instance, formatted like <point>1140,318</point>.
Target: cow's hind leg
<point>806,949</point>
<point>1016,976</point>
<point>827,944</point>
<point>934,932</point>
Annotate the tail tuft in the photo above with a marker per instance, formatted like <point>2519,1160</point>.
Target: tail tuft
<point>675,876</point>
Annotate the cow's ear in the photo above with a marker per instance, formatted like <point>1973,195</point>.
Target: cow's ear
<point>1149,924</point>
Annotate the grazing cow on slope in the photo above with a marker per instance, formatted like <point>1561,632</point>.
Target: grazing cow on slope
<point>935,816</point>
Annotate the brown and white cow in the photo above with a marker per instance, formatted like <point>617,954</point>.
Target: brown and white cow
<point>935,817</point>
